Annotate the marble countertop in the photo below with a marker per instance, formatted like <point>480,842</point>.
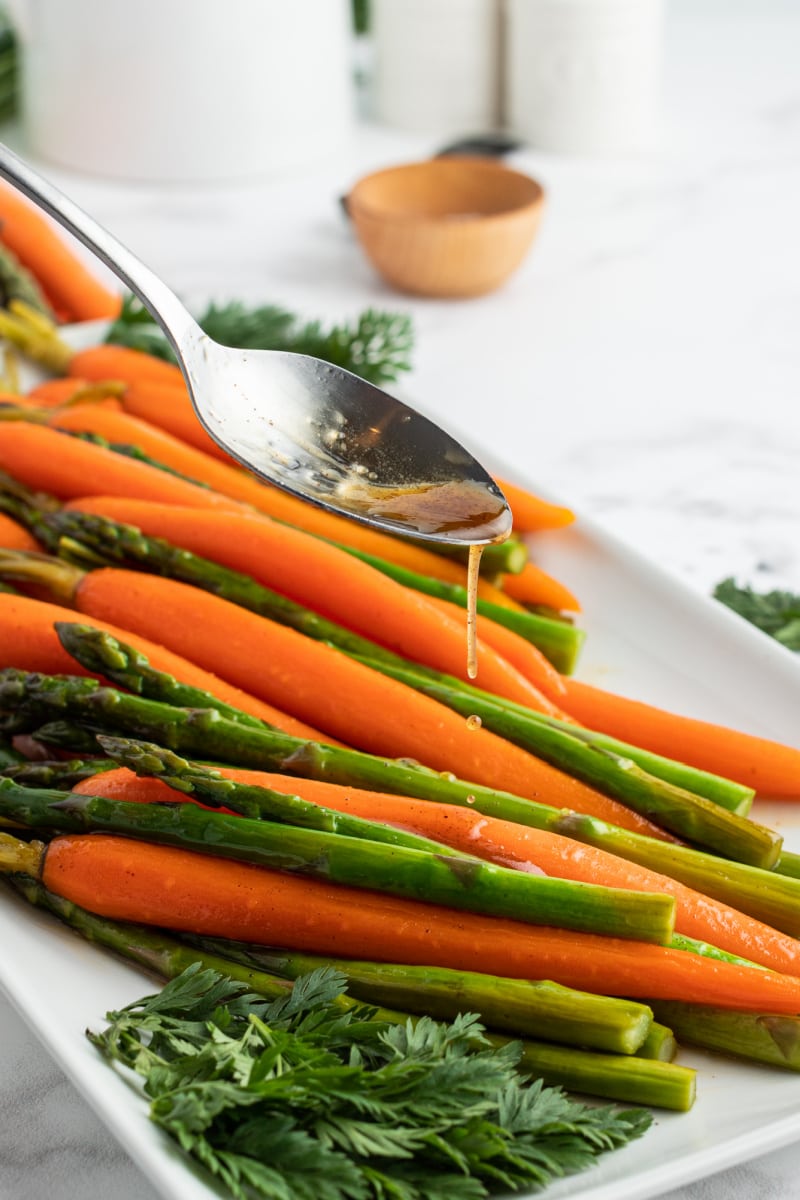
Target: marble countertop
<point>643,364</point>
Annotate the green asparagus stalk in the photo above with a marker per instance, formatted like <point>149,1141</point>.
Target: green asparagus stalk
<point>659,1044</point>
<point>759,1037</point>
<point>541,1009</point>
<point>29,508</point>
<point>630,1079</point>
<point>559,640</point>
<point>204,734</point>
<point>56,773</point>
<point>788,864</point>
<point>103,654</point>
<point>685,813</point>
<point>9,757</point>
<point>658,1083</point>
<point>437,878</point>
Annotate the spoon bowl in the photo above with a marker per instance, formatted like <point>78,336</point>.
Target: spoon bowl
<point>303,424</point>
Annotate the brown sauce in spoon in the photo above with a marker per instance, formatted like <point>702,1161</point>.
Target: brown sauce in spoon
<point>439,508</point>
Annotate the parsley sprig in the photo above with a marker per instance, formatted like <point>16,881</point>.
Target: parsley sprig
<point>376,346</point>
<point>303,1099</point>
<point>776,613</point>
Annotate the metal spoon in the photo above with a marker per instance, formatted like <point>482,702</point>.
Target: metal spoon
<point>312,428</point>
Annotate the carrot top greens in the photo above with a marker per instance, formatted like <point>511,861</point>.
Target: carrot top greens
<point>302,1099</point>
<point>376,346</point>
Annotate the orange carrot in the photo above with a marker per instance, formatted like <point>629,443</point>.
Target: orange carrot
<point>502,842</point>
<point>167,886</point>
<point>170,408</point>
<point>772,768</point>
<point>14,536</point>
<point>531,513</point>
<point>53,392</point>
<point>356,595</point>
<point>118,362</point>
<point>325,688</point>
<point>534,586</point>
<point>170,451</point>
<point>67,282</point>
<point>49,461</point>
<point>29,642</point>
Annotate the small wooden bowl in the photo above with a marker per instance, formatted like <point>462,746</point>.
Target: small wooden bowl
<point>446,227</point>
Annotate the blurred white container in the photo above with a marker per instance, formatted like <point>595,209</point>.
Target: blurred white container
<point>583,76</point>
<point>185,90</point>
<point>436,65</point>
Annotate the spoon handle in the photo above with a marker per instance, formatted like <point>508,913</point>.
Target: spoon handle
<point>165,307</point>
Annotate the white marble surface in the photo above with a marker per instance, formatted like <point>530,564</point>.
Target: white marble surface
<point>643,364</point>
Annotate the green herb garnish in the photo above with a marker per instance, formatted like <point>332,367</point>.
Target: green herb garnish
<point>303,1099</point>
<point>776,613</point>
<point>376,346</point>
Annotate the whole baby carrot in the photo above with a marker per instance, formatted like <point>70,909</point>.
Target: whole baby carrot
<point>126,880</point>
<point>62,274</point>
<point>46,460</point>
<point>772,768</point>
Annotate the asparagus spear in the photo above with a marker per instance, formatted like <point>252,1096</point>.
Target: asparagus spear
<point>539,1008</point>
<point>436,877</point>
<point>682,812</point>
<point>56,773</point>
<point>102,654</point>
<point>659,1044</point>
<point>9,757</point>
<point>630,1079</point>
<point>759,1037</point>
<point>205,734</point>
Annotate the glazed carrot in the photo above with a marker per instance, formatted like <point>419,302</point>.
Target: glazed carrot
<point>54,392</point>
<point>163,885</point>
<point>118,362</point>
<point>67,282</point>
<point>534,586</point>
<point>324,688</point>
<point>339,587</point>
<point>169,407</point>
<point>119,426</point>
<point>14,536</point>
<point>772,768</point>
<point>531,513</point>
<point>29,641</point>
<point>502,842</point>
<point>49,461</point>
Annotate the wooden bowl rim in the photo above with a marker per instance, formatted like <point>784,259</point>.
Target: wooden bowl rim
<point>358,206</point>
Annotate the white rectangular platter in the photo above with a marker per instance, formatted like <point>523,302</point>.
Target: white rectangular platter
<point>648,637</point>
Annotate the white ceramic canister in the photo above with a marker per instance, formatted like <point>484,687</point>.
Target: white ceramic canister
<point>185,90</point>
<point>436,65</point>
<point>583,76</point>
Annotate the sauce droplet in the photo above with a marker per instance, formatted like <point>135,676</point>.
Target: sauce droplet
<point>474,722</point>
